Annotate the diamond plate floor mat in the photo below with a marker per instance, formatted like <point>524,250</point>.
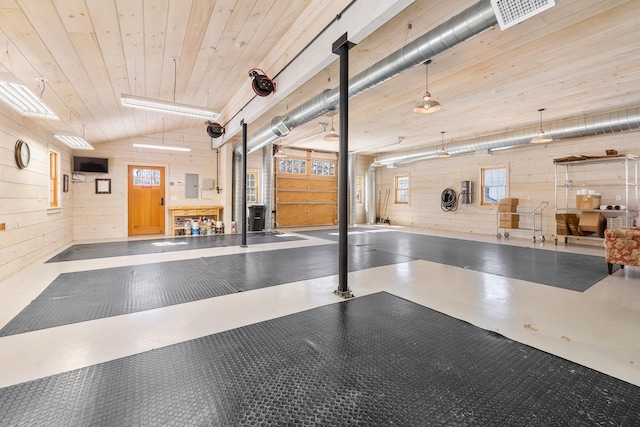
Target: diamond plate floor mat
<point>377,360</point>
<point>170,244</point>
<point>564,270</point>
<point>88,295</point>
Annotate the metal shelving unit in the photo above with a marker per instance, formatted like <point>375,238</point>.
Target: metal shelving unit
<point>616,177</point>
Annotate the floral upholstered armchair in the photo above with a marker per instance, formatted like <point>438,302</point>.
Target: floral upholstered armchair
<point>622,246</point>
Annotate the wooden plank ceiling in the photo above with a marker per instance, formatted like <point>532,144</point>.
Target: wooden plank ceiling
<point>580,57</point>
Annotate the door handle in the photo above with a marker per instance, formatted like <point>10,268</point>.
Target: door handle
<point>161,201</point>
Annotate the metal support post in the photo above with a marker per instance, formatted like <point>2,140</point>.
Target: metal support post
<point>341,47</point>
<point>243,214</point>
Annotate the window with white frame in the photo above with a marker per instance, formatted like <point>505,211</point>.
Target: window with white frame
<point>402,189</point>
<point>494,184</point>
<point>252,187</point>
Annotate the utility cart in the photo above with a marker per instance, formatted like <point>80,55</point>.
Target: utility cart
<point>504,221</point>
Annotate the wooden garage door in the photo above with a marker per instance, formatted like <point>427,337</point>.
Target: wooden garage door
<point>306,192</point>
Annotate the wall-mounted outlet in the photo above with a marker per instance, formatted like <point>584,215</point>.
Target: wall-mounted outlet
<point>618,197</point>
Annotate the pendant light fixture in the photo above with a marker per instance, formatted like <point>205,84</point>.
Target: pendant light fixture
<point>541,138</point>
<point>427,104</point>
<point>332,135</point>
<point>443,153</point>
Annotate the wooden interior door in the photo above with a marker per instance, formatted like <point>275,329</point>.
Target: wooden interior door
<point>146,200</point>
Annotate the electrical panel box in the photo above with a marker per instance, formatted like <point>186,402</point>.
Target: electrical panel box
<point>191,186</point>
<point>207,184</point>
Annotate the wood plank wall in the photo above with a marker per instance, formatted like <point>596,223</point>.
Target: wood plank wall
<point>100,216</point>
<point>32,230</point>
<point>531,179</point>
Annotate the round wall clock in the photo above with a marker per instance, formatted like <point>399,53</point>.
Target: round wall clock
<point>23,154</point>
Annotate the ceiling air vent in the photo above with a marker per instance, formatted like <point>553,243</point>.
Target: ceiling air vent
<point>511,12</point>
<point>279,128</point>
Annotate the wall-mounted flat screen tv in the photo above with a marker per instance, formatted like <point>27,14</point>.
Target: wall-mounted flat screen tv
<point>90,164</point>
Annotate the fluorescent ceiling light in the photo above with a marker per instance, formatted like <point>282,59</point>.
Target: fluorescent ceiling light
<point>162,147</point>
<point>504,148</point>
<point>16,95</point>
<point>74,141</point>
<point>168,107</point>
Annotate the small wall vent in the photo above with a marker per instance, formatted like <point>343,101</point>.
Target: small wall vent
<point>511,12</point>
<point>280,129</point>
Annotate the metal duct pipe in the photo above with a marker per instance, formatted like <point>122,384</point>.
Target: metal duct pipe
<point>577,127</point>
<point>353,191</point>
<point>236,194</point>
<point>597,124</point>
<point>461,27</point>
<point>266,190</point>
<point>316,106</point>
<point>370,195</point>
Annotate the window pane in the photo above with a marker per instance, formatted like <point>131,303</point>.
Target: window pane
<point>402,189</point>
<point>252,187</point>
<point>321,168</point>
<point>494,184</point>
<point>54,184</point>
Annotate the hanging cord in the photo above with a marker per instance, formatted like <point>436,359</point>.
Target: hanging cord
<point>406,39</point>
<point>7,57</point>
<point>463,206</point>
<point>448,200</point>
<point>175,77</point>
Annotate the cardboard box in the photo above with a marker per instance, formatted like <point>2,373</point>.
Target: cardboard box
<point>574,226</point>
<point>563,221</point>
<point>512,201</point>
<point>588,201</point>
<point>509,221</point>
<point>592,222</point>
<point>507,208</point>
